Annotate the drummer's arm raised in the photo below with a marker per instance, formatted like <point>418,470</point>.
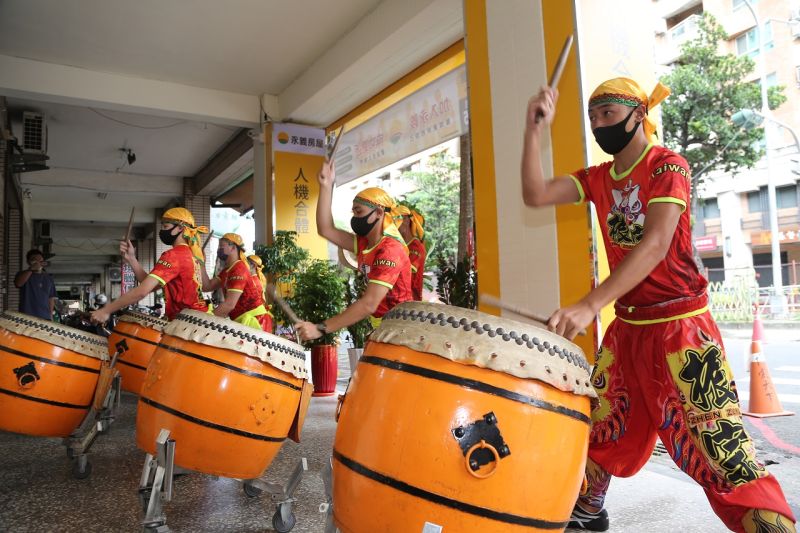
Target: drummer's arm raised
<point>128,253</point>
<point>325,225</point>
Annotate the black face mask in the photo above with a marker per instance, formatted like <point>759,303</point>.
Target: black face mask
<point>360,225</point>
<point>221,255</point>
<point>167,236</point>
<point>613,139</point>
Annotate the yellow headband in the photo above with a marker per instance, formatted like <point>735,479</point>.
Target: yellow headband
<point>183,217</point>
<point>627,92</point>
<point>417,224</point>
<point>375,197</point>
<point>236,240</point>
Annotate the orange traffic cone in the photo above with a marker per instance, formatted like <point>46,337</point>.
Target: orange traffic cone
<point>764,400</point>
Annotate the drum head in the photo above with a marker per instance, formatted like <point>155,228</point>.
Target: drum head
<point>471,337</point>
<point>72,339</point>
<point>205,328</point>
<point>152,322</point>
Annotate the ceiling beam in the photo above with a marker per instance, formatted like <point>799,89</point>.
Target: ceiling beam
<point>388,43</point>
<point>37,80</point>
<point>100,213</point>
<point>228,164</point>
<point>108,182</point>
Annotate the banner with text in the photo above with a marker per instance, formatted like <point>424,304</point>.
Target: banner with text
<point>432,115</point>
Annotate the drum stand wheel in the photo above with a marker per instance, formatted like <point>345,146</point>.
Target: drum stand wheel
<point>94,423</point>
<point>155,488</point>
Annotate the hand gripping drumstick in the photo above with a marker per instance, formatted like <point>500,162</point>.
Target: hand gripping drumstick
<point>335,144</point>
<point>517,310</point>
<point>282,304</point>
<point>558,70</point>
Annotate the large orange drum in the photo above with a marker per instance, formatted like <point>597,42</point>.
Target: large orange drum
<point>460,421</point>
<point>136,335</point>
<point>228,394</point>
<point>48,375</point>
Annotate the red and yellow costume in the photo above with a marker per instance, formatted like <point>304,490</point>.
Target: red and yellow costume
<point>249,309</point>
<point>661,370</point>
<point>178,269</point>
<point>387,263</point>
<point>260,281</point>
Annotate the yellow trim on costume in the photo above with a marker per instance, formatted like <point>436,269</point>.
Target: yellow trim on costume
<point>368,250</point>
<point>414,269</point>
<point>668,319</point>
<point>234,290</point>
<point>383,283</point>
<point>355,243</point>
<point>161,281</point>
<point>249,318</point>
<point>375,322</point>
<point>617,177</point>
<point>580,189</point>
<point>668,200</point>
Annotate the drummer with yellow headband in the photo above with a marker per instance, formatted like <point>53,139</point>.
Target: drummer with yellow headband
<point>661,370</point>
<point>256,265</point>
<point>381,251</point>
<point>411,225</point>
<point>178,270</point>
<point>244,300</point>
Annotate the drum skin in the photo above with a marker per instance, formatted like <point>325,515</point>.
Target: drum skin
<point>132,363</point>
<point>227,412</point>
<point>397,464</point>
<point>52,405</point>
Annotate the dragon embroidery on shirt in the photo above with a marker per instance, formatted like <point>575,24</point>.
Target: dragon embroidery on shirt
<point>626,221</point>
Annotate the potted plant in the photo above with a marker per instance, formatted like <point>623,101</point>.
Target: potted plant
<point>282,260</point>
<point>354,287</point>
<point>319,294</point>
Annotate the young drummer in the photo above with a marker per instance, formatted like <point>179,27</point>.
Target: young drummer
<point>244,300</point>
<point>661,370</point>
<point>178,270</point>
<point>260,280</point>
<point>381,251</point>
<point>411,226</point>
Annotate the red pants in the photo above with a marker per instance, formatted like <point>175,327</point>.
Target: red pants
<point>671,379</point>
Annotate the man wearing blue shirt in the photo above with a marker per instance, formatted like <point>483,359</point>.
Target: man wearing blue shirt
<point>37,292</point>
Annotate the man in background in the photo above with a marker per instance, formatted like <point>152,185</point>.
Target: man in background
<point>37,291</point>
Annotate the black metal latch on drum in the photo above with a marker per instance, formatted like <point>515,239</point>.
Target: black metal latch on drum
<point>26,375</point>
<point>481,442</point>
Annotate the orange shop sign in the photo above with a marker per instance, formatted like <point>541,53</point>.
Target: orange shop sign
<point>764,238</point>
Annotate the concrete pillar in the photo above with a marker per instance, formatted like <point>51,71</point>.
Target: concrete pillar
<point>737,256</point>
<point>15,254</point>
<point>535,258</point>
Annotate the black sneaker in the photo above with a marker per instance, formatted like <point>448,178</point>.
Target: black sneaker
<point>581,519</point>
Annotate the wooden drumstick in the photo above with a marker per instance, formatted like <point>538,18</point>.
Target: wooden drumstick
<point>517,310</point>
<point>282,304</point>
<point>208,239</point>
<point>130,225</point>
<point>558,70</point>
<point>336,144</point>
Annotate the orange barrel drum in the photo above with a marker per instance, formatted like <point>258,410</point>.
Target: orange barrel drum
<point>229,395</point>
<point>48,375</point>
<point>456,420</point>
<point>136,336</point>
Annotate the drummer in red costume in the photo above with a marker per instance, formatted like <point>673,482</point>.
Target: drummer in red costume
<point>256,265</point>
<point>178,270</point>
<point>381,251</point>
<point>661,370</point>
<point>411,225</point>
<point>244,300</point>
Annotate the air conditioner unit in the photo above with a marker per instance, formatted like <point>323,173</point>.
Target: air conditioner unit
<point>42,232</point>
<point>34,133</point>
<point>114,274</point>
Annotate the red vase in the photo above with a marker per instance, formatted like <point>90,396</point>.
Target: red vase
<point>324,369</point>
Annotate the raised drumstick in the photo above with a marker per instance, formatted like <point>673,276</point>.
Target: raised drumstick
<point>517,310</point>
<point>130,225</point>
<point>336,143</point>
<point>282,304</point>
<point>558,70</point>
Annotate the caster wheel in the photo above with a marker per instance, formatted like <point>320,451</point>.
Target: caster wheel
<point>251,490</point>
<point>279,525</point>
<point>78,474</point>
